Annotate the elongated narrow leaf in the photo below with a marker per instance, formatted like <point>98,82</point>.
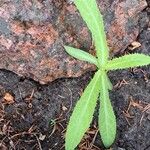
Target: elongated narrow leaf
<point>127,61</point>
<point>91,15</point>
<point>110,86</point>
<point>81,55</point>
<point>107,120</point>
<point>82,114</point>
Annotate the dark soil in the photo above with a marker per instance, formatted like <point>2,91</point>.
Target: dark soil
<point>37,116</point>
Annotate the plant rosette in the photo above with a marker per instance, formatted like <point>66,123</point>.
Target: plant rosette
<point>99,86</point>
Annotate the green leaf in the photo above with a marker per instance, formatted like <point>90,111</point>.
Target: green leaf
<point>107,119</point>
<point>83,113</point>
<point>91,15</point>
<point>81,55</point>
<point>127,61</point>
<point>110,86</point>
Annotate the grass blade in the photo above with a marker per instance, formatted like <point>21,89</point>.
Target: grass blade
<point>91,15</point>
<point>107,119</point>
<point>81,55</point>
<point>127,61</point>
<point>83,113</point>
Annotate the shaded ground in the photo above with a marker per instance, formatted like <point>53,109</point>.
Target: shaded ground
<point>34,116</point>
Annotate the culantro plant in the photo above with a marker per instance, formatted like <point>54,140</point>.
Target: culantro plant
<point>100,85</point>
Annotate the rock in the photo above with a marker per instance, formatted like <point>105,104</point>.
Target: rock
<point>32,35</point>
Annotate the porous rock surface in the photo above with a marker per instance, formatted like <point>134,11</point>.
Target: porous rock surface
<point>33,33</point>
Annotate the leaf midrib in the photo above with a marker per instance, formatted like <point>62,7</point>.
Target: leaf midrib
<point>99,31</point>
<point>105,104</point>
<point>89,98</point>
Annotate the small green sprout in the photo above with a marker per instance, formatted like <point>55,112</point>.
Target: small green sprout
<point>100,85</point>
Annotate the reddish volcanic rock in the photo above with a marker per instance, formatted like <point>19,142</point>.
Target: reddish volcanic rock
<point>32,35</point>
